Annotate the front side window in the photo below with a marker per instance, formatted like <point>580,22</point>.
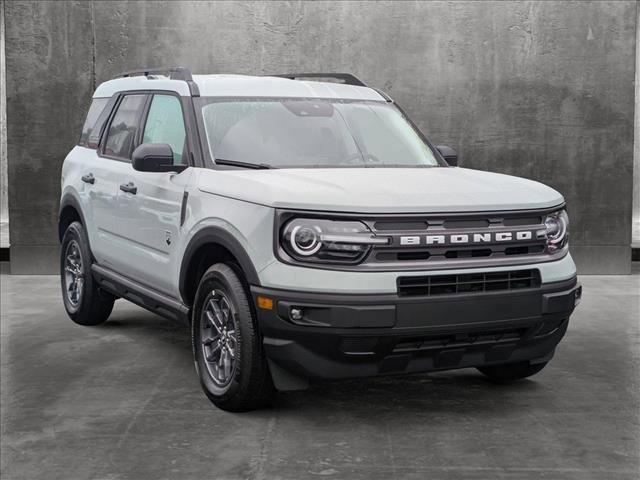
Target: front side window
<point>124,126</point>
<point>165,124</point>
<point>298,133</point>
<point>93,123</point>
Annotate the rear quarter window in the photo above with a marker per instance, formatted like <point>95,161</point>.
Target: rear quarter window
<point>93,124</point>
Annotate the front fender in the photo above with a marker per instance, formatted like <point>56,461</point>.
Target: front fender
<point>220,236</point>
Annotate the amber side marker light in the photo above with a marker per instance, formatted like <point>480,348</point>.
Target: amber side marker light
<point>265,303</point>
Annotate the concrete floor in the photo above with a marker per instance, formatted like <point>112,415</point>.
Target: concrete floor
<point>122,401</point>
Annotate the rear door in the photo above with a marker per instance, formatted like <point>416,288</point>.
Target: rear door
<point>91,189</point>
<point>150,218</point>
<point>113,166</point>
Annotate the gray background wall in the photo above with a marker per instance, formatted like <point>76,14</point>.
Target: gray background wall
<point>635,240</point>
<point>544,90</point>
<point>4,199</point>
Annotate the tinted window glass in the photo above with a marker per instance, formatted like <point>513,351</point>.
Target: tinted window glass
<point>166,125</point>
<point>93,139</point>
<point>91,124</point>
<point>122,132</point>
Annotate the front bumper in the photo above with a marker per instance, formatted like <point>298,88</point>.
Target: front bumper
<point>345,336</point>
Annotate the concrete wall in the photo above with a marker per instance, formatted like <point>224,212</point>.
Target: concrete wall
<point>4,199</point>
<point>538,89</point>
<point>635,240</point>
<point>49,64</point>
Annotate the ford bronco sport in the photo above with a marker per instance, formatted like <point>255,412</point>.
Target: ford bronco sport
<point>306,229</point>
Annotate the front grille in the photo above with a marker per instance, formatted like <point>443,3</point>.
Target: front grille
<point>435,254</point>
<point>409,246</point>
<point>431,285</point>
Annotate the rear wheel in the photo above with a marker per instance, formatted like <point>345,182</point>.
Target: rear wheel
<point>84,301</point>
<point>227,347</point>
<point>511,372</point>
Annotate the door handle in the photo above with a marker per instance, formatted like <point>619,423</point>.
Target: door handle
<point>89,178</point>
<point>129,188</point>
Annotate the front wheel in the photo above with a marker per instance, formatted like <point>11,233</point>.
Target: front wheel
<point>226,343</point>
<point>84,301</point>
<point>511,372</point>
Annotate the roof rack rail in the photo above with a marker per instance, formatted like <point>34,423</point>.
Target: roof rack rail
<point>174,73</point>
<point>347,78</point>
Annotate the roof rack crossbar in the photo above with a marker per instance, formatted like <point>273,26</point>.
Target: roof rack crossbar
<point>174,73</point>
<point>346,78</point>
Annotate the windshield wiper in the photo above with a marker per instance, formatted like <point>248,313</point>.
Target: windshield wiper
<point>235,163</point>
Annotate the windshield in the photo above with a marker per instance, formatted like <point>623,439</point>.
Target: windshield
<point>298,133</point>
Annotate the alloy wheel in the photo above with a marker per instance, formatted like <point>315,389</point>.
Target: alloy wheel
<point>73,273</point>
<point>219,338</point>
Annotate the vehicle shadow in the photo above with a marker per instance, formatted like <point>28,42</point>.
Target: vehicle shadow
<point>452,391</point>
<point>448,391</point>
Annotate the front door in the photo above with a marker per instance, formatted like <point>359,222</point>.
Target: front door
<point>150,211</point>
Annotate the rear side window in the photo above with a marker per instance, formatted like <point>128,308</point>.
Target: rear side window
<point>93,123</point>
<point>166,125</point>
<point>121,136</point>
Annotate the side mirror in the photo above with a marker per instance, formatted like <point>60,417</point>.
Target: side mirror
<point>449,154</point>
<point>154,157</point>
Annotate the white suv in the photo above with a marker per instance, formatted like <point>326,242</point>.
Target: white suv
<point>306,230</point>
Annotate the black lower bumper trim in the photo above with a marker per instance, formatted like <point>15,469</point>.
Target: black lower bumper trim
<point>324,336</point>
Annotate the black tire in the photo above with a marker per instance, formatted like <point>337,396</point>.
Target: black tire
<point>247,384</point>
<point>511,372</point>
<point>92,306</point>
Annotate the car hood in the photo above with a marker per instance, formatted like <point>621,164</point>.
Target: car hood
<point>380,190</point>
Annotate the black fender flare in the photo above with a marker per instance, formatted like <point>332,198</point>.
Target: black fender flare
<point>225,239</point>
<point>70,200</point>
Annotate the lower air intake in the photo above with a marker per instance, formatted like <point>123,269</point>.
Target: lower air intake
<point>431,285</point>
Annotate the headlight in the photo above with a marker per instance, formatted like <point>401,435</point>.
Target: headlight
<point>556,230</point>
<point>320,240</point>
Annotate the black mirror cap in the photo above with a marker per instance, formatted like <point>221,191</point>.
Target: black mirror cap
<point>154,157</point>
<point>449,154</point>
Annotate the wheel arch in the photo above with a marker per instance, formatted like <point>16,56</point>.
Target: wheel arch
<point>211,245</point>
<point>69,212</point>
